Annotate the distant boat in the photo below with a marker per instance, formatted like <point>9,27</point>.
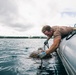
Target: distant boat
<point>67,53</point>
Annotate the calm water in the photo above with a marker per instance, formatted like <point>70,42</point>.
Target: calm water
<point>14,59</point>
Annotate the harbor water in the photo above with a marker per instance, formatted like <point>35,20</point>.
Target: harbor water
<point>14,58</point>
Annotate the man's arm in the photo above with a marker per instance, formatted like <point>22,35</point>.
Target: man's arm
<point>52,48</point>
<point>55,44</point>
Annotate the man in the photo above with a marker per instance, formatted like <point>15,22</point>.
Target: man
<point>58,32</point>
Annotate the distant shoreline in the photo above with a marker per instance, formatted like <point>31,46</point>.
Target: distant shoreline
<point>25,37</point>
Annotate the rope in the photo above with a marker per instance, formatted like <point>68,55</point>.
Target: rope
<point>70,35</point>
<point>41,66</point>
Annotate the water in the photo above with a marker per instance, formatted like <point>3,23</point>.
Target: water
<point>14,59</point>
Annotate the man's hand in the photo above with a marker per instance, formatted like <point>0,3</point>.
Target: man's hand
<point>42,54</point>
<point>46,42</point>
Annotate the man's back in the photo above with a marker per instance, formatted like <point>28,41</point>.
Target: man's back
<point>61,30</point>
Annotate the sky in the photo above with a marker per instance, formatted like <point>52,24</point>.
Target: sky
<point>27,17</point>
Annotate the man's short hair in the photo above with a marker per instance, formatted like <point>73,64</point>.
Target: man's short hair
<point>46,28</point>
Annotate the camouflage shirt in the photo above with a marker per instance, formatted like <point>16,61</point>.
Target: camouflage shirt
<point>61,31</point>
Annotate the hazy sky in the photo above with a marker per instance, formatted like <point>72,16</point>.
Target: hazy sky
<point>26,17</point>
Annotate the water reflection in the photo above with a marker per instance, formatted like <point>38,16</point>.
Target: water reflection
<point>54,67</point>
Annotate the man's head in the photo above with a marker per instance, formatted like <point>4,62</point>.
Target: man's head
<point>47,30</point>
